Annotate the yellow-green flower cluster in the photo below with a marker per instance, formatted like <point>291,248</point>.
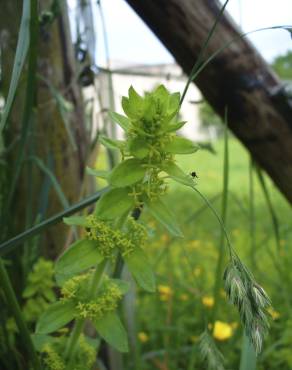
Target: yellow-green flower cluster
<point>103,234</point>
<point>52,354</point>
<point>107,299</point>
<point>52,359</point>
<point>110,239</point>
<point>86,355</point>
<point>76,286</point>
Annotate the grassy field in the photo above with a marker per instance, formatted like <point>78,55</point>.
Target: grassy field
<point>171,321</point>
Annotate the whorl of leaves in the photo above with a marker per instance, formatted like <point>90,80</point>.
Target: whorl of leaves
<point>210,353</point>
<point>250,299</point>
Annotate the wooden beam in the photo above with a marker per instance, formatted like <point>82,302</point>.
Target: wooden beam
<point>260,112</point>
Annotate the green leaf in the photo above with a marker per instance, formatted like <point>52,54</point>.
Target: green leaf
<point>97,173</point>
<point>19,60</point>
<point>162,94</point>
<point>162,214</point>
<point>76,221</point>
<point>82,255</point>
<point>123,121</point>
<point>135,100</point>
<point>114,204</point>
<point>171,127</point>
<point>138,148</point>
<point>112,331</point>
<point>177,174</point>
<point>141,269</point>
<point>127,173</point>
<point>112,143</point>
<point>130,112</point>
<point>173,105</point>
<point>123,285</point>
<point>181,145</point>
<point>39,340</point>
<point>55,317</point>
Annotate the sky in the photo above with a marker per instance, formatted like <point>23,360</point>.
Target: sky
<point>130,40</point>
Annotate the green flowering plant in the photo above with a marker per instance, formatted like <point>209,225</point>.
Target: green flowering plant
<point>138,183</point>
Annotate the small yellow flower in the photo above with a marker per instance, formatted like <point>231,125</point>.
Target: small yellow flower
<point>165,292</point>
<point>194,244</point>
<point>164,238</point>
<point>184,297</point>
<point>222,330</point>
<point>208,301</point>
<point>143,337</point>
<point>274,314</point>
<point>197,271</point>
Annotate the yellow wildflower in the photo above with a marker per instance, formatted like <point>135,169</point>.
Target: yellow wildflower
<point>194,244</point>
<point>222,330</point>
<point>208,301</point>
<point>183,297</point>
<point>197,271</point>
<point>274,314</point>
<point>164,238</point>
<point>143,337</point>
<point>165,292</point>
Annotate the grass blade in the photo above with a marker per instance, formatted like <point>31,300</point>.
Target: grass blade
<point>274,217</point>
<point>54,181</point>
<point>12,243</point>
<point>200,57</point>
<point>20,56</point>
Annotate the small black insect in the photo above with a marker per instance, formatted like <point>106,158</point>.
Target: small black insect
<point>194,174</point>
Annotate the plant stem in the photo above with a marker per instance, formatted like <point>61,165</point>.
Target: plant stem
<point>16,311</point>
<point>79,324</point>
<point>230,248</point>
<point>73,339</point>
<point>219,268</point>
<point>252,216</point>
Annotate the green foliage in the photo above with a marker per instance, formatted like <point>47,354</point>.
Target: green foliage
<point>141,270</point>
<point>282,65</point>
<point>82,255</point>
<point>55,317</point>
<point>210,353</point>
<point>52,350</point>
<point>112,331</point>
<point>39,290</point>
<point>114,204</point>
<point>158,209</point>
<point>147,154</point>
<point>20,57</point>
